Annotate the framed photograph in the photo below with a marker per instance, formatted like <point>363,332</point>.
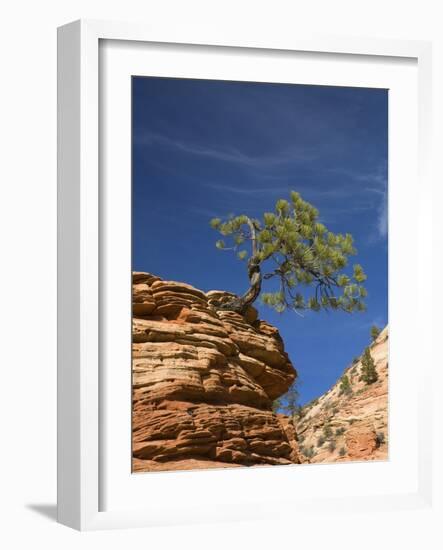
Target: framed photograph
<point>236,219</point>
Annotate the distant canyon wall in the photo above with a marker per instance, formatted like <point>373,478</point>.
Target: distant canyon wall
<point>341,425</point>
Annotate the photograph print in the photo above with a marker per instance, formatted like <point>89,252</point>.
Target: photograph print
<point>259,274</point>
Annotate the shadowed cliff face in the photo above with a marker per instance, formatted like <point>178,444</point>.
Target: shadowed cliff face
<point>341,426</point>
<point>204,382</point>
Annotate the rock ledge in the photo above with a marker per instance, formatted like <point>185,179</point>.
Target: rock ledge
<point>204,382</point>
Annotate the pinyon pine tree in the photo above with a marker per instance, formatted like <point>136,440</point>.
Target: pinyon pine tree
<point>289,401</point>
<point>375,331</point>
<point>368,372</point>
<point>291,247</point>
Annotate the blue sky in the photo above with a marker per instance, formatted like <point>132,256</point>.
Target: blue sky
<point>210,148</point>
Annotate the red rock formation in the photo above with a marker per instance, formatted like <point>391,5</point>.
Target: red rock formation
<point>204,382</point>
<point>341,426</point>
<point>361,442</point>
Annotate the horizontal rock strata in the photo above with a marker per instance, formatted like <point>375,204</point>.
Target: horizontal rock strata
<point>204,382</point>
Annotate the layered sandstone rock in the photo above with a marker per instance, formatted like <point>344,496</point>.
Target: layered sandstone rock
<point>339,426</point>
<point>204,382</point>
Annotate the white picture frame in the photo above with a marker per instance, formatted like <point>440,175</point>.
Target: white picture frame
<point>80,444</point>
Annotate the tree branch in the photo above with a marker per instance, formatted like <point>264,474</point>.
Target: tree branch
<point>253,236</point>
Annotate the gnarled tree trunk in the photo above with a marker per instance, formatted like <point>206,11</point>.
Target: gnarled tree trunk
<point>241,303</point>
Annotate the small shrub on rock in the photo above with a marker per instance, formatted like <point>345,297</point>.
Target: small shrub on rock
<point>327,431</point>
<point>308,452</point>
<point>345,386</point>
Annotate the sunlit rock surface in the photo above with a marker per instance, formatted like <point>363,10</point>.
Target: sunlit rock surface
<point>339,427</point>
<point>204,382</point>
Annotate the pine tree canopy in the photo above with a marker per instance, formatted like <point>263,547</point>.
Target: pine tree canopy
<point>288,403</point>
<point>368,370</point>
<point>375,331</point>
<point>307,261</point>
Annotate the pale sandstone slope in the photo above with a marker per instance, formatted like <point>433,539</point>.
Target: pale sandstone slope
<point>362,416</point>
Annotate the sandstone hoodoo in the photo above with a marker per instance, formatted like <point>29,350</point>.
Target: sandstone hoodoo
<point>204,380</point>
<point>350,420</point>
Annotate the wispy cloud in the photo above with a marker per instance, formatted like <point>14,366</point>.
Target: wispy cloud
<point>204,212</point>
<point>232,155</point>
<point>306,191</point>
<point>382,207</point>
<point>376,183</point>
<point>250,191</point>
<point>382,221</point>
<point>328,210</point>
